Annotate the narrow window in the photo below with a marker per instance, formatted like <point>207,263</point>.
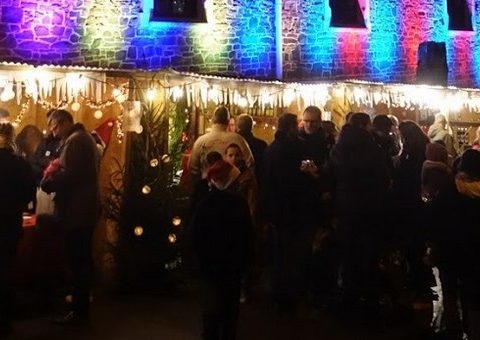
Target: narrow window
<point>346,13</point>
<point>179,10</point>
<point>460,16</point>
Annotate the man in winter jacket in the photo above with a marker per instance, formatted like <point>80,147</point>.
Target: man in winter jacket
<point>291,208</point>
<point>257,146</point>
<point>77,203</point>
<point>216,140</point>
<point>17,188</point>
<point>313,136</point>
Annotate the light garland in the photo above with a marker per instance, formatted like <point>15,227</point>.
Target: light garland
<point>19,118</point>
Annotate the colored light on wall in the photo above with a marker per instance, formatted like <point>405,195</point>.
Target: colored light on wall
<point>256,34</point>
<point>103,27</point>
<point>383,40</point>
<point>210,38</point>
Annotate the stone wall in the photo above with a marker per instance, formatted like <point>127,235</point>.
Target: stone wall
<point>385,51</point>
<point>240,40</point>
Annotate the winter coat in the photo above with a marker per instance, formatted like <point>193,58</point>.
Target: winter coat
<point>437,133</point>
<point>258,147</point>
<point>17,188</point>
<point>222,234</point>
<point>436,177</point>
<point>467,226</point>
<point>289,195</point>
<point>359,172</point>
<point>315,146</point>
<point>77,201</point>
<point>216,140</point>
<point>407,180</point>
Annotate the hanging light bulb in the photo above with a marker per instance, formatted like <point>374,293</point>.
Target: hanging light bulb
<point>75,106</point>
<point>98,114</point>
<point>166,158</point>
<point>146,190</point>
<point>176,221</point>
<point>154,163</point>
<point>138,230</point>
<point>116,92</point>
<point>172,238</point>
<point>139,129</point>
<point>151,94</point>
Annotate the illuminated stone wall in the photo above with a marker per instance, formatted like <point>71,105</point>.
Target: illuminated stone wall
<point>238,40</point>
<point>385,51</point>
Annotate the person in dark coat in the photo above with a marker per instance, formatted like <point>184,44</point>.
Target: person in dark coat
<point>467,230</point>
<point>45,152</point>
<point>74,179</point>
<point>384,136</point>
<point>409,230</point>
<point>313,136</point>
<point>17,188</point>
<point>257,146</point>
<point>439,196</point>
<point>290,207</point>
<point>221,234</point>
<point>360,181</point>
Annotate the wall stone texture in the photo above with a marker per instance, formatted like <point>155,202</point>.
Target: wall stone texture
<point>240,39</point>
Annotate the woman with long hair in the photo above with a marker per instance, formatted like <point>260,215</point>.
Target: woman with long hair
<point>407,202</point>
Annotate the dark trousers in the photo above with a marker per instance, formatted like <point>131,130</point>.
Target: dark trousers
<point>292,248</point>
<point>220,295</point>
<point>357,239</point>
<point>8,249</point>
<point>78,244</point>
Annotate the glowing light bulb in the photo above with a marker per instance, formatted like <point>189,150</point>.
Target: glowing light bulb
<point>151,94</point>
<point>176,221</point>
<point>146,190</point>
<point>154,163</point>
<point>75,107</point>
<point>98,114</point>
<point>172,238</point>
<point>116,92</point>
<point>139,129</point>
<point>138,230</point>
<point>166,158</point>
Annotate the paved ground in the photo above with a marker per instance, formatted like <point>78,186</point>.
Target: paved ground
<point>131,317</point>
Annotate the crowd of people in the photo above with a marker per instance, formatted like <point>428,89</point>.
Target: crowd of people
<point>352,220</point>
<point>64,164</point>
<point>349,219</point>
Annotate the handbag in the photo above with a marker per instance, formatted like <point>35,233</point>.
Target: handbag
<point>45,203</point>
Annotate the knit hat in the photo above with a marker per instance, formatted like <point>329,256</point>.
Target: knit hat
<point>470,163</point>
<point>436,152</point>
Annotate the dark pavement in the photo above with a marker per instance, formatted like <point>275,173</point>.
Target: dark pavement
<point>159,316</point>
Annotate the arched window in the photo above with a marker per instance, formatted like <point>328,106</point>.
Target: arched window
<point>346,13</point>
<point>460,15</point>
<point>179,10</point>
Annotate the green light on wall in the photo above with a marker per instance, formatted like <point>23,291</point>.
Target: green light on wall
<point>103,26</point>
<point>210,39</point>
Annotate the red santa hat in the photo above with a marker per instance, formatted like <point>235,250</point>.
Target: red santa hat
<point>104,131</point>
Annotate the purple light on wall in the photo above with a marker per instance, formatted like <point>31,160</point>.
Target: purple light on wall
<point>41,30</point>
